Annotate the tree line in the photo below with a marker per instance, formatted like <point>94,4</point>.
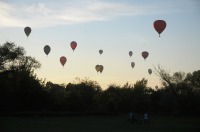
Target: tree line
<point>21,90</point>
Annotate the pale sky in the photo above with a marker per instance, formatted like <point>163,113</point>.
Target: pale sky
<point>115,26</point>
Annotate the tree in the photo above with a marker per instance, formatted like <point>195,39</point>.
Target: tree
<point>112,97</point>
<point>57,95</point>
<point>166,79</point>
<point>185,88</point>
<point>80,95</point>
<point>141,96</point>
<point>20,88</point>
<point>14,58</point>
<point>140,86</point>
<point>194,80</point>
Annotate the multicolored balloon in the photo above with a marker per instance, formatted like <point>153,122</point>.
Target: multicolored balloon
<point>47,49</point>
<point>145,54</point>
<point>159,26</point>
<point>27,31</point>
<point>73,45</point>
<point>63,60</point>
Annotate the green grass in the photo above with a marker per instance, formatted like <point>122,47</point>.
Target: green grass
<point>97,124</point>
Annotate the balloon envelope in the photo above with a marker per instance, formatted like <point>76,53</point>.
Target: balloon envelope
<point>145,54</point>
<point>132,64</point>
<point>97,67</point>
<point>100,51</point>
<point>130,53</point>
<point>73,45</point>
<point>47,49</point>
<point>159,26</point>
<point>27,31</point>
<point>101,68</point>
<point>150,71</point>
<point>63,60</point>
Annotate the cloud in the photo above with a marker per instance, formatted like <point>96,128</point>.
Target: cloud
<point>49,13</point>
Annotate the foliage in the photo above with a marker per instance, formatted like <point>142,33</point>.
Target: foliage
<point>184,87</point>
<point>21,90</point>
<point>14,57</point>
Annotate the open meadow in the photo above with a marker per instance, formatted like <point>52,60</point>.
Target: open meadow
<point>117,123</point>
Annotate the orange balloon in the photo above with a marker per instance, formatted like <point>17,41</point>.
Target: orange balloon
<point>63,60</point>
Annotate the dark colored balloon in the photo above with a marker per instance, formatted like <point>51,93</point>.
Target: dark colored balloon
<point>130,53</point>
<point>150,71</point>
<point>73,45</point>
<point>47,49</point>
<point>159,26</point>
<point>145,54</point>
<point>27,31</point>
<point>63,60</point>
<point>100,51</point>
<point>132,64</point>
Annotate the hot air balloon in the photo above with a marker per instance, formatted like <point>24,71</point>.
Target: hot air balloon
<point>130,53</point>
<point>159,26</point>
<point>73,45</point>
<point>97,67</point>
<point>150,71</point>
<point>100,51</point>
<point>27,31</point>
<point>145,54</point>
<point>47,49</point>
<point>101,68</point>
<point>63,60</point>
<point>132,64</point>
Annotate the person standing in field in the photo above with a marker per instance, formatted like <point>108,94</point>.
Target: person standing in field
<point>146,119</point>
<point>132,118</point>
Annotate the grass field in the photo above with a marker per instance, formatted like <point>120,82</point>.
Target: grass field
<point>97,124</point>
